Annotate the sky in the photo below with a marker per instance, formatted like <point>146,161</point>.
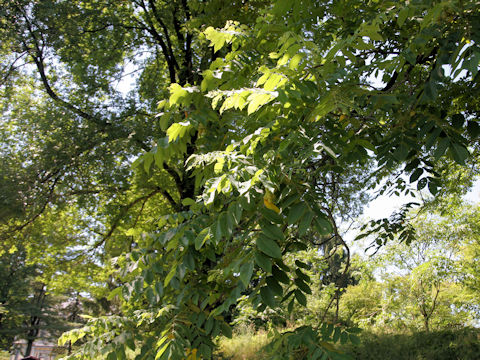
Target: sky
<point>384,205</point>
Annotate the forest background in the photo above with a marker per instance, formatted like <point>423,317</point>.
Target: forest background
<point>214,195</point>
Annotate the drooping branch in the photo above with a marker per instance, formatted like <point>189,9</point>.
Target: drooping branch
<point>38,59</point>
<point>127,207</point>
<point>36,53</point>
<point>9,69</point>
<point>48,198</point>
<point>37,56</point>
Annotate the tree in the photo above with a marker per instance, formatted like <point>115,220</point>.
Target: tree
<point>27,311</point>
<point>247,135</point>
<point>42,279</point>
<point>14,290</point>
<point>422,284</point>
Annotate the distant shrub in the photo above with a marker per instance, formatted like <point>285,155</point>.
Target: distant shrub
<point>461,344</point>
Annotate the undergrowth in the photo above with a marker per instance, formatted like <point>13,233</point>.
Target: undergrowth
<point>246,343</point>
<point>461,344</point>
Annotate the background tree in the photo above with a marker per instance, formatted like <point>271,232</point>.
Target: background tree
<point>27,310</point>
<point>420,286</point>
<point>14,290</point>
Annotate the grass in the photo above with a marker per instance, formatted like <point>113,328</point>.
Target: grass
<point>244,344</point>
<point>461,344</point>
<point>464,344</point>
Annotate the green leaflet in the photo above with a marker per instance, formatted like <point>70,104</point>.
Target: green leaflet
<point>269,247</point>
<point>302,265</point>
<point>296,212</point>
<point>246,271</point>
<point>354,339</point>
<point>216,38</point>
<point>170,276</point>
<point>177,93</point>
<point>272,231</point>
<point>322,225</point>
<point>267,296</point>
<point>226,329</point>
<point>301,298</point>
<point>402,16</point>
<point>162,350</point>
<point>201,238</point>
<point>274,285</point>
<point>441,147</point>
<point>416,174</point>
<point>305,223</point>
<point>473,129</point>
<point>209,325</point>
<point>178,130</point>
<point>459,153</point>
<point>336,334</point>
<point>303,286</point>
<point>263,261</point>
<point>189,261</point>
<point>280,275</point>
<point>256,100</point>
<point>272,216</point>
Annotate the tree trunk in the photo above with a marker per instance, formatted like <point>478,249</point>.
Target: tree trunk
<point>29,347</point>
<point>337,305</point>
<point>426,322</point>
<point>32,334</point>
<point>34,326</point>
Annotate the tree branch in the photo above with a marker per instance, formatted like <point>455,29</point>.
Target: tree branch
<point>151,29</point>
<point>176,26</point>
<point>127,207</point>
<point>165,32</point>
<point>187,63</point>
<point>40,212</point>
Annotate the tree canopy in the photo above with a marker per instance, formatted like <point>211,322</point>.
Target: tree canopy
<point>190,147</point>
